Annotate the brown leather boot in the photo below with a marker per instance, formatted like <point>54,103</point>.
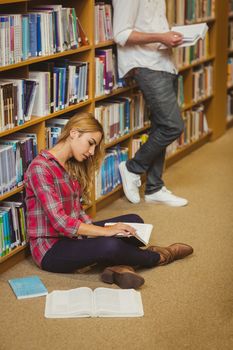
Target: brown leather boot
<point>172,252</point>
<point>124,276</point>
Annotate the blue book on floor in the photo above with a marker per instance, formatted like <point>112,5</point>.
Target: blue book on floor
<point>28,287</point>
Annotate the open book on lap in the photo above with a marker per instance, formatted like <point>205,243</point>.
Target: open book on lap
<point>143,233</point>
<point>102,302</point>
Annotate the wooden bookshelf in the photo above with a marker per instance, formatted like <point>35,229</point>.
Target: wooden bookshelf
<point>229,114</point>
<point>215,104</point>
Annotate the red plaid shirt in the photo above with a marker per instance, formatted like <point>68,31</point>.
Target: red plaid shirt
<point>53,205</point>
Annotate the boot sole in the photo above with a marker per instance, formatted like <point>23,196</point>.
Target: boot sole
<point>124,280</point>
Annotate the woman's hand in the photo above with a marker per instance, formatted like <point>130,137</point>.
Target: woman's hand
<point>125,229</point>
<point>93,230</point>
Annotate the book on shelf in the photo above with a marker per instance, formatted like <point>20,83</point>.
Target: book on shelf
<point>102,302</point>
<point>142,235</point>
<point>82,37</point>
<point>28,287</point>
<point>191,33</point>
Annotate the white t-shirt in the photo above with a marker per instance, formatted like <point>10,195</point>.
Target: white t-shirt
<point>148,16</point>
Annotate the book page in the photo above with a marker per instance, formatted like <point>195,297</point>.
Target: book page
<point>191,33</point>
<point>143,231</point>
<point>71,303</point>
<point>117,303</point>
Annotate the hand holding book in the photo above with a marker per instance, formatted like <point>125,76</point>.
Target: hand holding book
<point>191,33</point>
<point>124,229</point>
<point>186,35</point>
<point>141,235</point>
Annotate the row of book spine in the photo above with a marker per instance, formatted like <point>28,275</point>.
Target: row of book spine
<point>230,71</point>
<point>184,56</point>
<point>230,105</point>
<point>189,11</point>
<point>40,32</point>
<point>230,35</point>
<point>137,142</point>
<point>16,153</point>
<point>17,97</point>
<point>51,86</point>
<point>230,6</point>
<point>202,82</point>
<point>103,22</point>
<point>121,115</point>
<point>195,126</point>
<point>106,74</point>
<point>61,84</point>
<point>12,226</point>
<point>108,178</point>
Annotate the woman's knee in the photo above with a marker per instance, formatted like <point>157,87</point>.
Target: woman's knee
<point>112,246</point>
<point>132,218</point>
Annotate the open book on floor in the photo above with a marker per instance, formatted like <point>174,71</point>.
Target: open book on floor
<point>143,233</point>
<point>102,302</point>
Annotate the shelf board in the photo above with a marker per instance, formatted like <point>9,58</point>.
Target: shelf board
<point>11,193</point>
<point>14,257</point>
<point>185,150</point>
<point>109,198</point>
<point>190,105</point>
<point>104,43</point>
<point>117,140</point>
<point>2,2</point>
<point>201,20</point>
<point>37,120</point>
<point>138,131</point>
<point>113,93</point>
<point>45,58</point>
<point>196,63</point>
<point>126,136</point>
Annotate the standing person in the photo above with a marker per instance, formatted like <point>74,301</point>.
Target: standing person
<point>62,236</point>
<point>144,44</point>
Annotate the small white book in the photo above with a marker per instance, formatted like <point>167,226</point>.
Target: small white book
<point>102,302</point>
<point>142,236</point>
<point>191,33</point>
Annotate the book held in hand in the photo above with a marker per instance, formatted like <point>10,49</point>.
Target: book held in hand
<point>102,302</point>
<point>28,287</point>
<point>142,236</point>
<point>191,33</point>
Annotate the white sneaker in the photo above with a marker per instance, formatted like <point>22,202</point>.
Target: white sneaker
<point>164,196</point>
<point>131,182</point>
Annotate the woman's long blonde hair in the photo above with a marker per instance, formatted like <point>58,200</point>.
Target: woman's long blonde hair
<point>84,171</point>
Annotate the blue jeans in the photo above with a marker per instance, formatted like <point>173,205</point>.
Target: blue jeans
<point>160,93</point>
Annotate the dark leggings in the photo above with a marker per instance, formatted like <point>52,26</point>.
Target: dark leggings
<point>68,254</point>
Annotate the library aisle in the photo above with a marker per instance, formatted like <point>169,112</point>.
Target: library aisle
<point>187,305</point>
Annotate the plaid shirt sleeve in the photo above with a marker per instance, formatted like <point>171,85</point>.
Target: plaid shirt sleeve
<point>42,182</point>
<point>84,217</point>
